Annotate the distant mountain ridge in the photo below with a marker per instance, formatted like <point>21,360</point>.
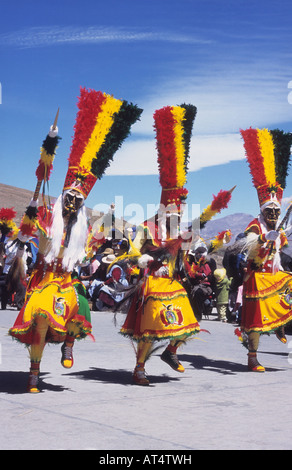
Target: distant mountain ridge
<point>237,223</point>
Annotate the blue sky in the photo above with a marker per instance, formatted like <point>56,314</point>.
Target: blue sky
<point>231,59</point>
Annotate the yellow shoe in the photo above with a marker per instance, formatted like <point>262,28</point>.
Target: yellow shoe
<point>33,381</point>
<point>67,356</point>
<point>281,337</point>
<point>253,364</point>
<point>171,359</point>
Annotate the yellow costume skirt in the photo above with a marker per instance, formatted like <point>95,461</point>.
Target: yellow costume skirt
<point>161,310</point>
<point>267,301</point>
<point>52,296</point>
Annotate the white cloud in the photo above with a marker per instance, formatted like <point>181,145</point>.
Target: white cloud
<point>228,99</point>
<point>230,92</point>
<point>139,157</point>
<point>231,99</point>
<point>226,102</point>
<point>58,35</point>
<point>209,150</point>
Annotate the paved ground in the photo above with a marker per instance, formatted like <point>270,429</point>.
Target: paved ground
<point>215,404</point>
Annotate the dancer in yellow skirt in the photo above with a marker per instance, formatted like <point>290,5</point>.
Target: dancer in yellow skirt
<point>52,310</point>
<point>55,308</point>
<point>267,289</point>
<point>160,309</point>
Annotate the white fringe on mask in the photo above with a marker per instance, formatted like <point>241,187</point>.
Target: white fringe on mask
<point>75,252</point>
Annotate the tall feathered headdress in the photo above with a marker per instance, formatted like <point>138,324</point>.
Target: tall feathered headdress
<point>268,154</point>
<point>102,124</point>
<point>173,126</point>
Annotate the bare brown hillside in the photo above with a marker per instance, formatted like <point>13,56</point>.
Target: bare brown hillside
<point>18,198</point>
<point>15,197</point>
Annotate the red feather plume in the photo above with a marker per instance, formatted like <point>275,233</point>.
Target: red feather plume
<point>7,213</point>
<point>89,105</point>
<point>221,200</point>
<point>254,156</point>
<point>164,123</point>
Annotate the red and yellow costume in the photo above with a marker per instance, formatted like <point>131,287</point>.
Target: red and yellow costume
<point>266,288</point>
<point>161,308</point>
<point>52,294</point>
<point>267,291</point>
<point>55,308</point>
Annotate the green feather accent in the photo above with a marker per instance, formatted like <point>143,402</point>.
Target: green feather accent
<point>282,142</point>
<point>188,122</point>
<point>50,144</point>
<point>123,120</point>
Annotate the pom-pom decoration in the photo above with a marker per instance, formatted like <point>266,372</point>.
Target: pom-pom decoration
<point>28,222</point>
<point>173,126</point>
<point>48,150</point>
<point>268,154</point>
<point>221,239</point>
<point>7,226</point>
<point>102,124</point>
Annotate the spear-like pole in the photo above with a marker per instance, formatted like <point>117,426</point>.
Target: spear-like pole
<point>45,174</point>
<point>27,224</point>
<point>285,218</point>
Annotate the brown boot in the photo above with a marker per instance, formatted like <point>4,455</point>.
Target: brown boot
<point>253,364</point>
<point>139,376</point>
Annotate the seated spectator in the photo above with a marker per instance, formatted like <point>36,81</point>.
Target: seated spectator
<point>104,291</point>
<point>200,276</point>
<point>87,271</point>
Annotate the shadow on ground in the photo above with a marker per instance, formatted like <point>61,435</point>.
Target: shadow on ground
<point>220,366</point>
<point>16,383</point>
<point>121,377</point>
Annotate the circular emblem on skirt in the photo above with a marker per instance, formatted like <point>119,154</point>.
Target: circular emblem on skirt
<point>171,315</point>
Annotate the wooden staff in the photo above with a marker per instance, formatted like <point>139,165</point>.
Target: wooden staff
<point>280,226</point>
